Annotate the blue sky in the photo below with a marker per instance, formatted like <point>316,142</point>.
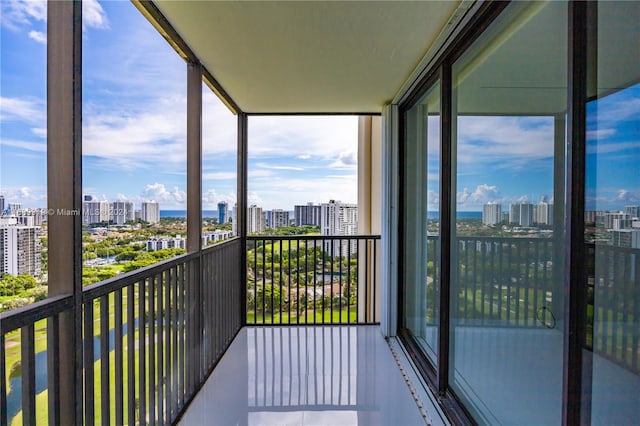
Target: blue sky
<point>134,119</point>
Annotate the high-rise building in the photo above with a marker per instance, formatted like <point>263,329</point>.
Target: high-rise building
<point>491,213</point>
<point>234,220</point>
<point>15,208</point>
<point>122,212</point>
<point>543,213</point>
<point>223,215</point>
<point>278,218</point>
<point>609,219</point>
<point>628,238</point>
<point>256,220</point>
<point>95,211</point>
<point>339,218</point>
<point>1,205</point>
<point>633,211</point>
<point>150,212</point>
<point>20,250</point>
<point>307,215</point>
<point>521,214</point>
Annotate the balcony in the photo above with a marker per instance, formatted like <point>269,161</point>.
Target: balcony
<point>502,330</point>
<point>168,325</point>
<point>187,331</point>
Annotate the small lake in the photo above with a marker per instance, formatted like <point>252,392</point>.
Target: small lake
<point>14,397</point>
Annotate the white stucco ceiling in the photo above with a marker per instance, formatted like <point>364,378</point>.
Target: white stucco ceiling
<point>309,56</point>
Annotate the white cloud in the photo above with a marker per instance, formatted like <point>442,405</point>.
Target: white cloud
<point>600,133</point>
<point>211,198</point>
<point>139,138</point>
<point>347,159</point>
<point>27,110</point>
<point>268,166</point>
<point>30,146</point>
<point>482,194</point>
<point>93,15</point>
<point>19,13</point>
<point>510,140</point>
<point>627,195</point>
<point>287,192</point>
<point>38,36</point>
<point>607,148</point>
<point>254,198</point>
<point>219,126</point>
<point>218,176</point>
<point>157,191</point>
<point>30,196</point>
<point>302,136</point>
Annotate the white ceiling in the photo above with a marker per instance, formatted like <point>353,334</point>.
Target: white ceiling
<point>309,56</point>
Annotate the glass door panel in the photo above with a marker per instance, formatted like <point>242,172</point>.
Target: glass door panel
<point>421,220</point>
<point>509,103</point>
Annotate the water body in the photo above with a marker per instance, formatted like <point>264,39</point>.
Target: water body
<point>459,215</point>
<point>14,398</point>
<point>183,213</point>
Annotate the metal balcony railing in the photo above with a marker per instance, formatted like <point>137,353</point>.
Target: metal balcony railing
<point>149,339</point>
<point>305,279</point>
<point>517,282</point>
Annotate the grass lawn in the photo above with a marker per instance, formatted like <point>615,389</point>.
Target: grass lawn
<point>318,316</point>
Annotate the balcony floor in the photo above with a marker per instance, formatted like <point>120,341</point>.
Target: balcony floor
<point>313,375</point>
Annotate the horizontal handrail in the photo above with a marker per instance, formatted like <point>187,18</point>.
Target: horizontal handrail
<point>312,237</point>
<point>27,315</point>
<point>110,285</point>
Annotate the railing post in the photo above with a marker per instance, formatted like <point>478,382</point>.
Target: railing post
<point>64,192</point>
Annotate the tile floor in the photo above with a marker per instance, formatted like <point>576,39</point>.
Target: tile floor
<point>337,375</point>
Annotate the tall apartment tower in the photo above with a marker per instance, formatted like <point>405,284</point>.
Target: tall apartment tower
<point>307,215</point>
<point>150,212</point>
<point>20,250</point>
<point>122,212</point>
<point>338,218</point>
<point>491,214</point>
<point>94,211</point>
<point>256,221</point>
<point>279,218</point>
<point>543,213</point>
<point>521,214</point>
<point>632,211</point>
<point>234,220</point>
<point>1,205</point>
<point>223,212</point>
<point>15,208</point>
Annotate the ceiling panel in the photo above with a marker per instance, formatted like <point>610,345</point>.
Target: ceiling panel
<point>309,56</point>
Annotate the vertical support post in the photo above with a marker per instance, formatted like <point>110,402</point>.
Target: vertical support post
<point>194,156</point>
<point>241,210</point>
<point>559,181</point>
<point>64,191</point>
<point>194,216</point>
<point>575,274</point>
<point>447,225</point>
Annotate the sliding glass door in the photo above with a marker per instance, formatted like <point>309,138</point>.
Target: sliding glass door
<point>520,217</point>
<point>421,216</point>
<point>612,217</point>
